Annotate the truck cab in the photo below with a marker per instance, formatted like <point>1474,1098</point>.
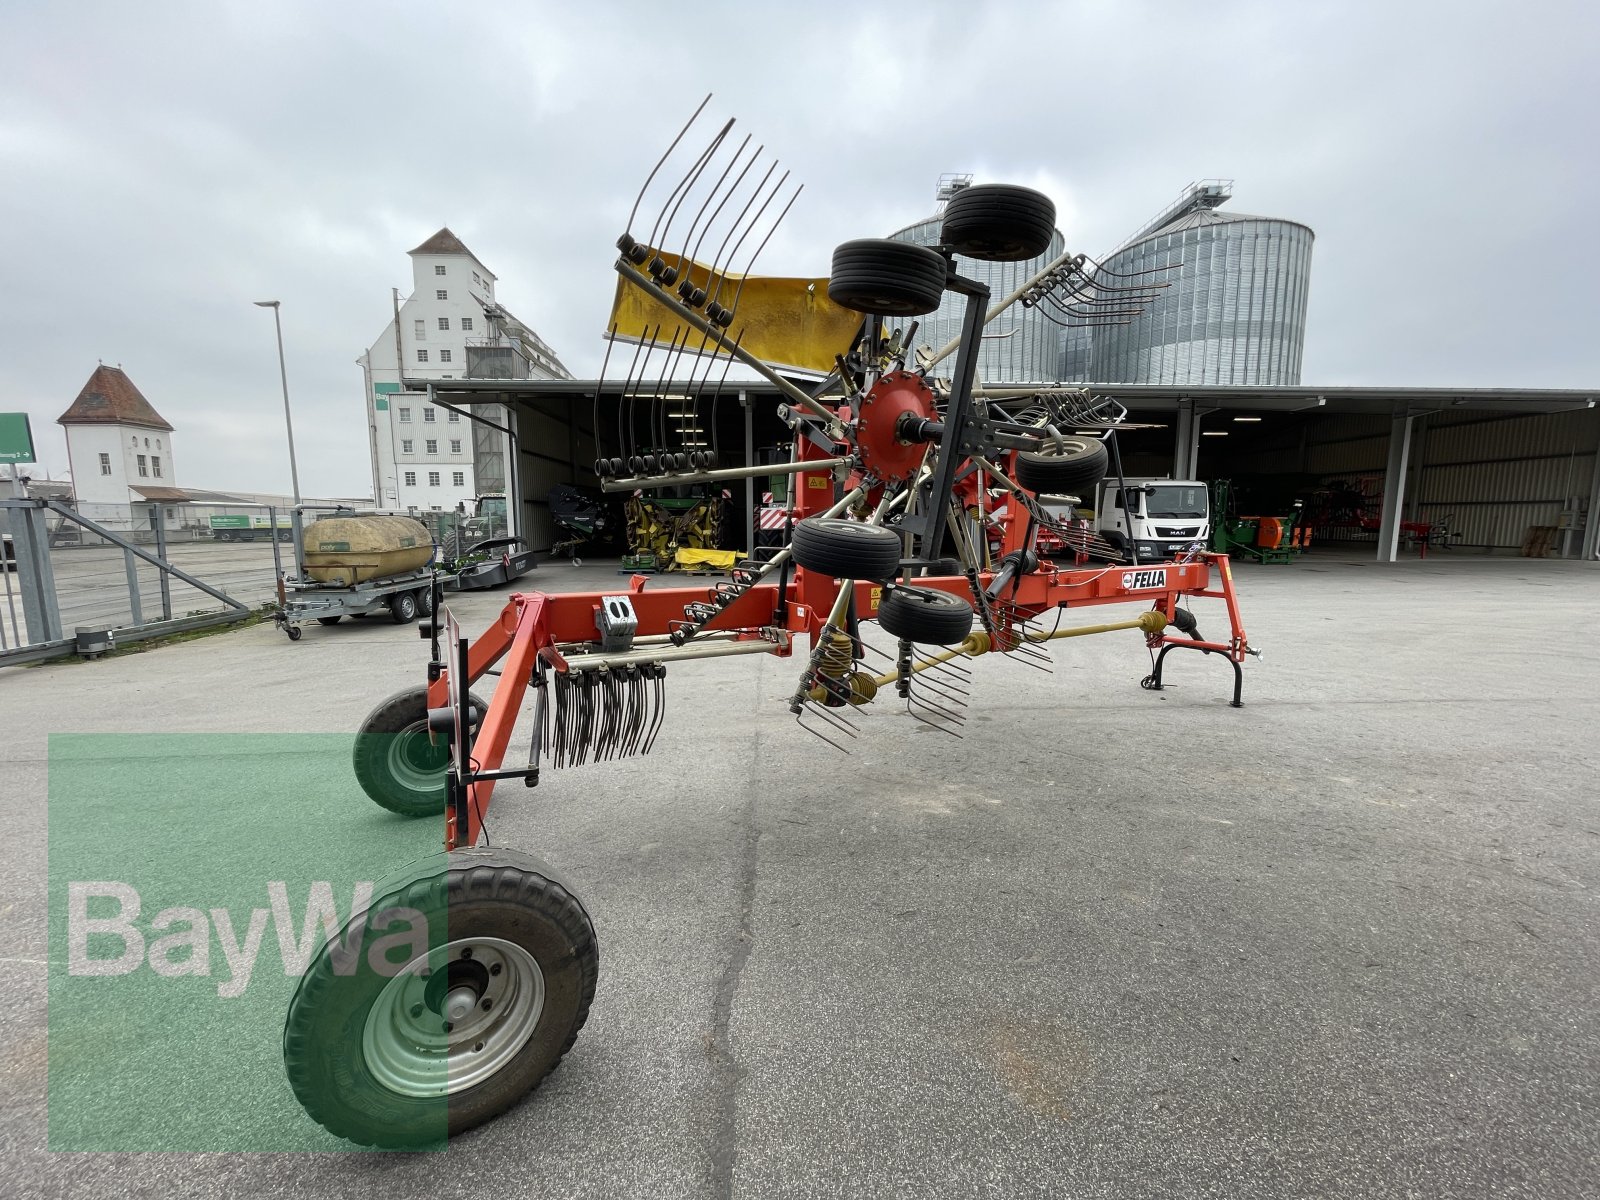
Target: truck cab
<point>1158,517</point>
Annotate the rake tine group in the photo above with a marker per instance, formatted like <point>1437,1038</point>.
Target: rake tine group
<point>604,714</point>
<point>713,202</point>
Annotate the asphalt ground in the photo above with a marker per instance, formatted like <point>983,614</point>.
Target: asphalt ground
<point>1110,943</point>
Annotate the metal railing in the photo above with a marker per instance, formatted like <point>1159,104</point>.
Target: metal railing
<point>31,626</point>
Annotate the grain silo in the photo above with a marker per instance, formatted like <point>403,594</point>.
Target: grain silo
<point>1021,345</point>
<point>1235,308</point>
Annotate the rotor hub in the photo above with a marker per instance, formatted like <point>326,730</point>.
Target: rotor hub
<point>884,453</point>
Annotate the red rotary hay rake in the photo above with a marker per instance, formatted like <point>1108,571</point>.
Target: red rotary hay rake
<point>467,979</point>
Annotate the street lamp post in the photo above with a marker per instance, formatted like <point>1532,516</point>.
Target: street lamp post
<point>283,375</point>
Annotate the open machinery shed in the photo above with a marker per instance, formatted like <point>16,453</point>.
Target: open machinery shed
<point>1495,462</point>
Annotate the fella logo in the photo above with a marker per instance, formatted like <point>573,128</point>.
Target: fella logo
<point>1138,581</point>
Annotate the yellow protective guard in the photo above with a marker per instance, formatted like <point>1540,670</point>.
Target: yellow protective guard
<point>720,559</point>
<point>783,322</point>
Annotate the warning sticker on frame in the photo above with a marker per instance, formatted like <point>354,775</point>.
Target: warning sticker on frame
<point>1138,581</point>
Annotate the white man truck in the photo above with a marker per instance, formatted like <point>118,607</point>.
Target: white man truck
<point>1157,517</point>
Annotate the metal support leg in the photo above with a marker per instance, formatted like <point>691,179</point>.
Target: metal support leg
<point>1152,681</point>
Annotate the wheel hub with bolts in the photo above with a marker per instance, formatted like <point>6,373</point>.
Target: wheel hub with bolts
<point>451,1018</point>
<point>414,759</point>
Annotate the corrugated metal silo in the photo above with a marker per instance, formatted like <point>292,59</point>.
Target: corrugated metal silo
<point>1021,346</point>
<point>1235,310</point>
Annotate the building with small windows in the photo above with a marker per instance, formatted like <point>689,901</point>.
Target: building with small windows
<point>119,449</point>
<point>425,456</point>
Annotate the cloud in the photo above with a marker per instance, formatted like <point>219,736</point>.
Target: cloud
<point>167,165</point>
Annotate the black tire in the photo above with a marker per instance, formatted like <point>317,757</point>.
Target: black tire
<point>1070,469</point>
<point>944,567</point>
<point>330,620</point>
<point>367,1045</point>
<point>999,223</point>
<point>893,279</point>
<point>927,615</point>
<point>846,549</point>
<point>295,633</point>
<point>425,601</point>
<point>396,763</point>
<point>403,608</point>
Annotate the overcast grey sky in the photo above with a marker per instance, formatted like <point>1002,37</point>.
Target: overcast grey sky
<point>163,164</point>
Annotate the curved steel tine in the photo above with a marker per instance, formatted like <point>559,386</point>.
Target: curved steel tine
<point>590,713</point>
<point>712,277</point>
<point>667,154</point>
<point>669,364</point>
<point>1101,269</point>
<point>716,397</point>
<point>673,420</point>
<point>642,707</point>
<point>605,740</point>
<point>739,291</point>
<point>738,153</point>
<point>731,193</point>
<point>679,193</point>
<point>635,384</point>
<point>619,711</point>
<point>635,711</point>
<point>575,732</point>
<point>599,386</point>
<point>658,705</point>
<point>718,264</point>
<point>778,220</point>
<point>754,221</point>
<point>625,428</point>
<point>598,733</point>
<point>558,737</point>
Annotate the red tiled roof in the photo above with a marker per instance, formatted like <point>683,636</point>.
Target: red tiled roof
<point>109,398</point>
<point>443,242</point>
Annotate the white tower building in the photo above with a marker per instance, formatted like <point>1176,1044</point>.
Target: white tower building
<point>451,327</point>
<point>119,449</point>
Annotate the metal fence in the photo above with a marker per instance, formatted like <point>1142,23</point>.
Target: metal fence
<point>31,616</point>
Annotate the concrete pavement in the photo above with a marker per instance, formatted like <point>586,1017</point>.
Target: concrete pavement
<point>1111,943</point>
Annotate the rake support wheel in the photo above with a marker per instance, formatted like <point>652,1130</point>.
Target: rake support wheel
<point>846,549</point>
<point>890,278</point>
<point>998,222</point>
<point>926,615</point>
<point>396,763</point>
<point>1071,468</point>
<point>444,1003</point>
